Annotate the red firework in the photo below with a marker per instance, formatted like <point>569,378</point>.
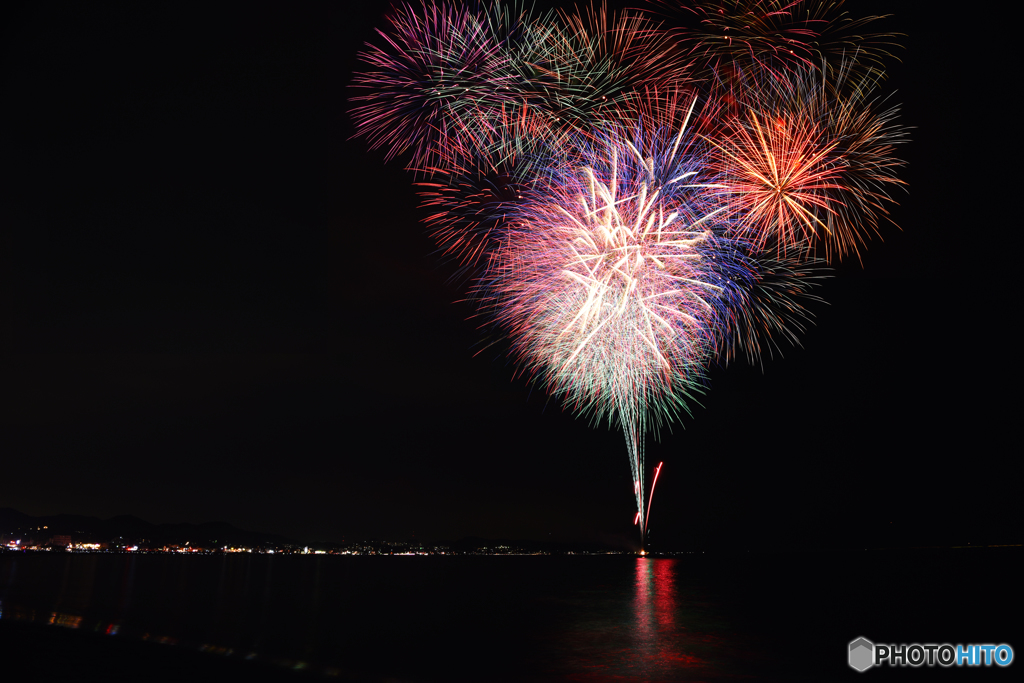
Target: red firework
<point>780,172</point>
<point>807,160</point>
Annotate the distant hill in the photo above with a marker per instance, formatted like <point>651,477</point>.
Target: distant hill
<point>132,529</point>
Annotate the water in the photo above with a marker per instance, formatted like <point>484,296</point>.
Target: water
<point>577,618</point>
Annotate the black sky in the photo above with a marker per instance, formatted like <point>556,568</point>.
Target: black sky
<point>221,307</point>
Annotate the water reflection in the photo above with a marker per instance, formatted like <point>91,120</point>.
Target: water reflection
<point>646,628</point>
<point>653,613</point>
<point>662,648</point>
<point>587,619</point>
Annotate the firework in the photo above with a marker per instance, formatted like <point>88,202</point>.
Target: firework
<point>471,193</point>
<point>609,281</point>
<point>719,34</point>
<point>622,236</point>
<point>440,78</point>
<point>474,188</point>
<point>469,203</point>
<point>809,161</point>
<point>577,72</point>
<point>768,306</point>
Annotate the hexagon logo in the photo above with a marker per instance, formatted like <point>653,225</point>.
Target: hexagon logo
<point>862,654</point>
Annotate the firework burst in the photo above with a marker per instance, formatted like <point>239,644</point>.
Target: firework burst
<point>439,79</point>
<point>780,170</point>
<point>809,161</point>
<point>610,281</point>
<point>578,71</point>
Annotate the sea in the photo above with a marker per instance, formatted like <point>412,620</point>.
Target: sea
<point>581,618</point>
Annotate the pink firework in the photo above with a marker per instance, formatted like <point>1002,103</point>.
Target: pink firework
<point>436,81</point>
<point>610,281</point>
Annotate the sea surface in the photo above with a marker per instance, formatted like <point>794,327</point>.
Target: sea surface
<point>590,619</point>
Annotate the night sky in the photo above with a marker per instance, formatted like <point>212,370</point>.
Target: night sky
<point>220,306</point>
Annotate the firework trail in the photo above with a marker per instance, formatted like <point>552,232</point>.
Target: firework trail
<point>650,500</point>
<point>610,282</point>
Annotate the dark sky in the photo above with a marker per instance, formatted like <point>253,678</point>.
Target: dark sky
<point>221,307</point>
